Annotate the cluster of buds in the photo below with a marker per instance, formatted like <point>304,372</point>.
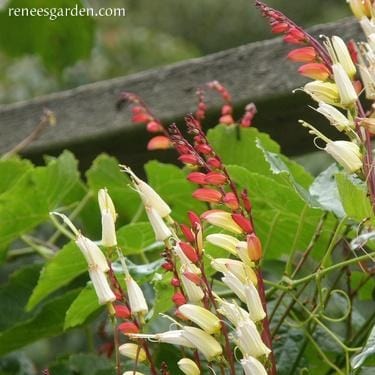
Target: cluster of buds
<point>331,66</point>
<point>141,114</point>
<point>200,314</point>
<point>226,116</point>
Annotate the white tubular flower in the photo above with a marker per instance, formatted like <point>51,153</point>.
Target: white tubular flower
<point>188,366</point>
<point>249,341</point>
<point>224,241</point>
<point>202,317</point>
<point>106,203</point>
<point>133,351</point>
<point>235,285</point>
<point>252,366</point>
<point>161,230</point>
<point>343,56</point>
<point>360,8</point>
<point>242,271</point>
<point>148,195</point>
<point>137,300</point>
<point>234,313</point>
<point>368,82</point>
<point>254,303</point>
<point>348,96</point>
<point>174,337</point>
<point>334,116</point>
<point>346,154</point>
<point>204,343</point>
<point>108,213</point>
<point>108,230</point>
<point>93,255</point>
<point>326,92</point>
<point>193,292</point>
<point>101,286</point>
<point>222,219</point>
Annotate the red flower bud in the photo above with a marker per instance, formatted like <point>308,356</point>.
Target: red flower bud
<point>246,201</point>
<point>207,195</point>
<point>197,178</point>
<point>244,223</point>
<point>304,54</point>
<point>254,247</point>
<point>214,162</point>
<point>215,178</point>
<point>203,148</point>
<point>128,327</point>
<point>175,282</point>
<point>154,127</point>
<point>178,299</point>
<point>279,27</point>
<point>194,218</point>
<point>188,159</point>
<point>168,266</point>
<point>122,311</point>
<point>226,119</point>
<point>187,232</point>
<point>231,201</point>
<point>189,251</point>
<point>226,109</point>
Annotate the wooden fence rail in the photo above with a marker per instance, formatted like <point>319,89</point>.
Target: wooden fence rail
<point>88,121</point>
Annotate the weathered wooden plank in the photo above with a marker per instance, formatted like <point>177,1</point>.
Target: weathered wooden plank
<point>87,116</point>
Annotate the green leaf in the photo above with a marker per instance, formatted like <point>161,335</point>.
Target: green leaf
<point>11,171</point>
<point>170,182</point>
<point>369,349</point>
<point>134,238</point>
<point>105,172</point>
<point>284,221</point>
<point>67,264</point>
<point>55,40</point>
<point>47,323</point>
<point>37,192</point>
<point>14,295</point>
<point>354,198</point>
<point>324,191</point>
<point>82,308</point>
<point>244,150</point>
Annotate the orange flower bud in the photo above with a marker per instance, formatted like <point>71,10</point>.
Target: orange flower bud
<point>314,71</point>
<point>304,54</point>
<point>254,247</point>
<point>160,142</point>
<point>207,195</point>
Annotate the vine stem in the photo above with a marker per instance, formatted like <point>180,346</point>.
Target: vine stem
<point>331,268</point>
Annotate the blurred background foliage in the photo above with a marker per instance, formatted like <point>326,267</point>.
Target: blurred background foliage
<point>39,56</point>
